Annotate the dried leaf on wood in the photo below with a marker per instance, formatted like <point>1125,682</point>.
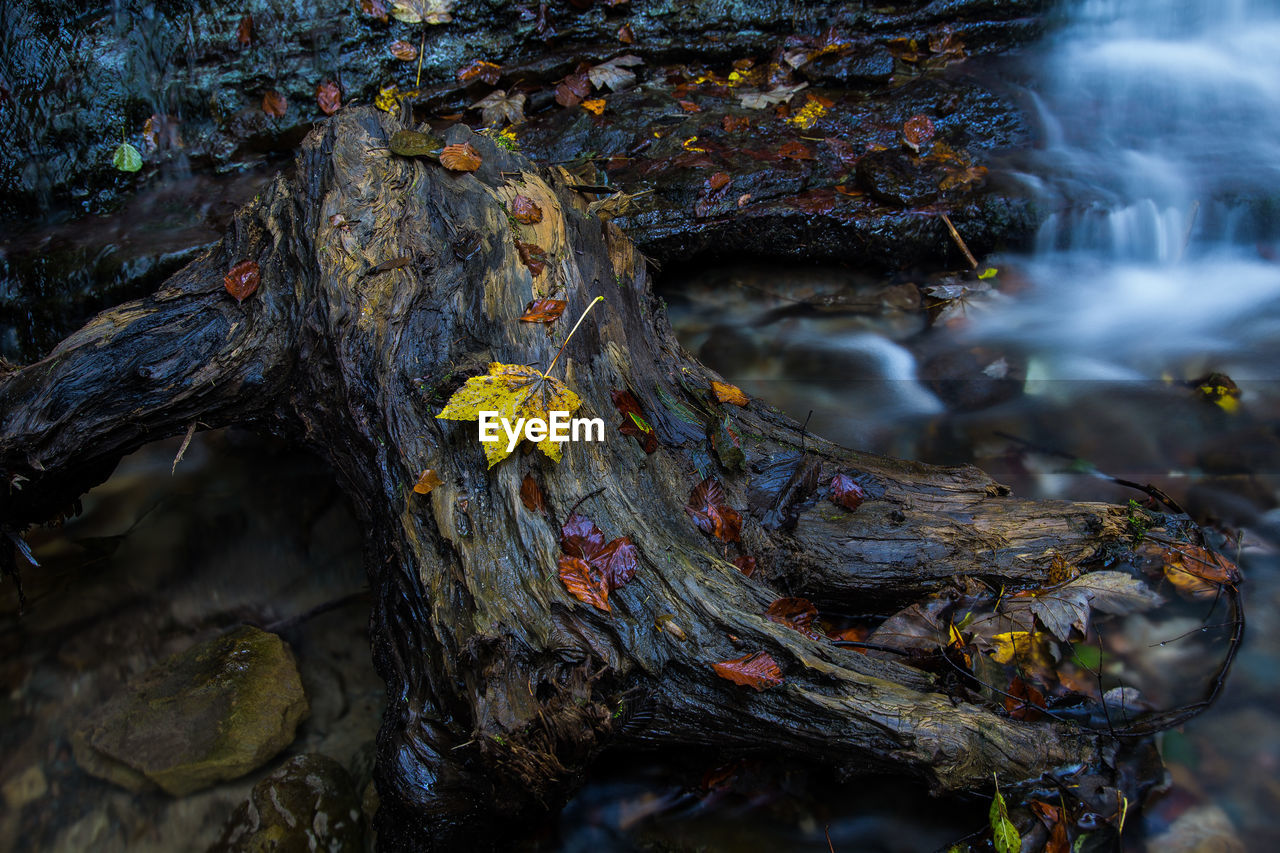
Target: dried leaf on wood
<point>514,391</point>
<point>845,492</point>
<point>746,564</point>
<point>726,393</point>
<point>572,89</point>
<point>532,256</point>
<point>274,104</point>
<point>427,481</point>
<point>795,150</point>
<point>462,157</point>
<point>244,32</point>
<point>757,670</point>
<point>614,73</point>
<point>633,421</point>
<point>328,97</point>
<point>498,108</point>
<point>711,514</point>
<point>1068,606</point>
<point>543,311</point>
<point>525,211</point>
<point>776,95</point>
<point>422,11</point>
<point>531,495</point>
<point>478,69</point>
<point>242,280</point>
<point>374,9</point>
<point>613,562</point>
<point>625,34</point>
<point>796,613</point>
<point>575,574</point>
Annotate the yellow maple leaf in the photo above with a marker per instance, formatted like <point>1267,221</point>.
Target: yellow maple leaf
<point>514,391</point>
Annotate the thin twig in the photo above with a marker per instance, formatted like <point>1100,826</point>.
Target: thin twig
<point>955,235</point>
<point>186,442</point>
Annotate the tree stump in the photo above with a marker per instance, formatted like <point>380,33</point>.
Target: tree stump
<point>501,685</point>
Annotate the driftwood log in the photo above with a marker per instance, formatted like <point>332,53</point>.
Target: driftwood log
<point>501,686</point>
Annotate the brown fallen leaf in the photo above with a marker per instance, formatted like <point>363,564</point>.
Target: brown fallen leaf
<point>532,256</point>
<point>572,89</point>
<point>274,104</point>
<point>374,9</point>
<point>711,514</point>
<point>845,492</point>
<point>328,97</point>
<point>461,157</point>
<point>244,32</point>
<point>543,311</point>
<point>479,70</point>
<point>625,35</point>
<point>917,131</point>
<point>525,211</point>
<point>531,495</point>
<point>615,562</point>
<point>427,481</point>
<point>575,574</point>
<point>242,280</point>
<point>795,150</point>
<point>726,393</point>
<point>732,124</point>
<point>498,108</point>
<point>746,564</point>
<point>798,614</point>
<point>404,51</point>
<point>758,670</point>
<point>715,183</point>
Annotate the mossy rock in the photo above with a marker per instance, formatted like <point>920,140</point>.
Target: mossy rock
<point>310,803</point>
<point>211,713</point>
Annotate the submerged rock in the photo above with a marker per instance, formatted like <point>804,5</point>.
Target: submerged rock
<point>308,804</point>
<point>211,713</point>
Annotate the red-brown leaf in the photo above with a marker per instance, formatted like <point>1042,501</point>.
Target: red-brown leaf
<point>633,420</point>
<point>543,311</point>
<point>242,281</point>
<point>613,564</point>
<point>794,150</point>
<point>532,256</point>
<point>575,574</point>
<point>710,513</point>
<point>916,131</point>
<point>1024,702</point>
<point>479,70</point>
<point>404,51</point>
<point>796,613</point>
<point>573,89</point>
<point>846,492</point>
<point>718,181</point>
<point>746,564</point>
<point>531,495</point>
<point>274,104</point>
<point>462,157</point>
<point>735,123</point>
<point>328,97</point>
<point>757,670</point>
<point>244,32</point>
<point>374,9</point>
<point>625,35</point>
<point>525,211</point>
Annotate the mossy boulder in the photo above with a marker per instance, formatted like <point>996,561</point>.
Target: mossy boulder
<point>310,803</point>
<point>211,713</point>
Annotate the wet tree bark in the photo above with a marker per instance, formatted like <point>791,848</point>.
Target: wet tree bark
<point>501,686</point>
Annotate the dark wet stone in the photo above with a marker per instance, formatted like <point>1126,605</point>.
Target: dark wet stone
<point>972,379</point>
<point>308,804</point>
<point>899,178</point>
<point>211,713</point>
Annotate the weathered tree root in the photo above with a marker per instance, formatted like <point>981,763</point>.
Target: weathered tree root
<point>501,687</point>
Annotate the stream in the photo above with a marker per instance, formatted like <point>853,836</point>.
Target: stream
<point>1138,339</point>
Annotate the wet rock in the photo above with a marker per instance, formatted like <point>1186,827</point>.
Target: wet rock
<point>866,65</point>
<point>896,177</point>
<point>308,804</point>
<point>973,379</point>
<point>211,713</point>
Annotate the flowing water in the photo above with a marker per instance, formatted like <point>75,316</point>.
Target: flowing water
<point>1158,170</point>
